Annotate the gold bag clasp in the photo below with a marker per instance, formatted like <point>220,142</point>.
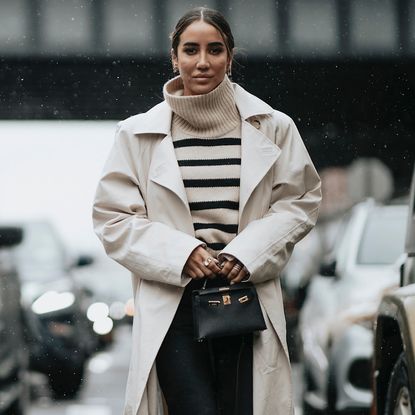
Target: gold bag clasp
<point>214,302</point>
<point>243,299</point>
<point>226,299</point>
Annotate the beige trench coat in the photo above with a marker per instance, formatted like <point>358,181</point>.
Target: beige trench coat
<point>142,217</point>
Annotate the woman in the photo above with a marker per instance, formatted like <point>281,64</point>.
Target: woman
<point>211,183</point>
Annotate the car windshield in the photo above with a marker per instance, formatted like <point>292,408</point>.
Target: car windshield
<point>40,255</point>
<point>383,237</point>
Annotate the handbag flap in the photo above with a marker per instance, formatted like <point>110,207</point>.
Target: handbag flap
<point>233,288</point>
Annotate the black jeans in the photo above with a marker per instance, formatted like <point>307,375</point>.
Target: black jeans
<point>204,378</point>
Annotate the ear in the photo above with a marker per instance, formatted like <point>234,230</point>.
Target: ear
<point>230,59</point>
<point>174,60</point>
<point>229,64</point>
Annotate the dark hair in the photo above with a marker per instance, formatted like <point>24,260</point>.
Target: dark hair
<point>210,16</point>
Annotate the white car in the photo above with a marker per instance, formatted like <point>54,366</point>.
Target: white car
<point>336,321</point>
<point>394,346</point>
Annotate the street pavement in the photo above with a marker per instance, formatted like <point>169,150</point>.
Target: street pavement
<point>103,392</point>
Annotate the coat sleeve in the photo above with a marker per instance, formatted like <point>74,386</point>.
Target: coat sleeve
<point>149,249</point>
<point>266,244</point>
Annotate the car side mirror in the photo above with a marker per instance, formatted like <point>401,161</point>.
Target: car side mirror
<point>84,260</point>
<point>10,236</point>
<point>328,269</point>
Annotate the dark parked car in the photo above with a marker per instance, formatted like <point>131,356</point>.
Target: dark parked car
<point>394,357</point>
<point>59,334</point>
<point>13,351</point>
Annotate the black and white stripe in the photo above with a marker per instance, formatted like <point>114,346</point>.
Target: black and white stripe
<point>209,162</point>
<point>206,142</point>
<point>210,170</point>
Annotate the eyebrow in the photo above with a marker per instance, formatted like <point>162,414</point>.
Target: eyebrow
<point>209,44</point>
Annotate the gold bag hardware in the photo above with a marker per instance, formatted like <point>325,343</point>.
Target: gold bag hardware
<point>243,299</point>
<point>226,299</point>
<point>214,302</point>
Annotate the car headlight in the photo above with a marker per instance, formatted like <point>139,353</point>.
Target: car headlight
<point>117,310</point>
<point>129,307</point>
<point>97,311</point>
<point>103,326</point>
<point>53,301</point>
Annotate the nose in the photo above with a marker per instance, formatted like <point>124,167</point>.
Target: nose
<point>203,61</point>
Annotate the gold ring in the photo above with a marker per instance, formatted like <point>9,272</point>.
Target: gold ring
<point>207,261</point>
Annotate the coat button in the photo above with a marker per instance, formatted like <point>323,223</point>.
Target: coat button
<point>256,123</point>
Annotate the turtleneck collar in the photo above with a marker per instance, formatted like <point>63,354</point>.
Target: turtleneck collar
<point>210,114</point>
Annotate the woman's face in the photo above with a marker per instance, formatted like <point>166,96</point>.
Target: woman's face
<point>202,58</point>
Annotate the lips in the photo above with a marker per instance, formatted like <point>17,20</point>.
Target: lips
<point>202,77</point>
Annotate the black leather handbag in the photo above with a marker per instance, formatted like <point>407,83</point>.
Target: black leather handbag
<point>226,311</point>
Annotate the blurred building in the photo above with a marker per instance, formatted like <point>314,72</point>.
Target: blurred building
<point>343,69</point>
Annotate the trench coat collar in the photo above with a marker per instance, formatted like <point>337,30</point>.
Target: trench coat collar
<point>158,119</point>
<point>258,152</point>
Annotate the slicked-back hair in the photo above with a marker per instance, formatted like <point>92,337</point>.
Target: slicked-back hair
<point>209,16</point>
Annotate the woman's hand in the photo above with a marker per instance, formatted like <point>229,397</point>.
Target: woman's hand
<point>201,264</point>
<point>233,270</point>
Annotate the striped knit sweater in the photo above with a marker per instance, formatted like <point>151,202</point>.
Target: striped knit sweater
<point>206,131</point>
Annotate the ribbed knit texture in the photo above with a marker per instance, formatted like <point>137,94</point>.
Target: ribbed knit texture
<point>206,138</point>
<point>207,115</point>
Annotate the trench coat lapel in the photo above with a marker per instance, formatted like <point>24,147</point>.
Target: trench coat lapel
<point>258,154</point>
<point>165,171</point>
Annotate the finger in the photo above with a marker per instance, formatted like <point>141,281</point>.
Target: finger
<point>205,265</point>
<point>242,274</point>
<point>214,267</point>
<point>199,259</point>
<point>207,272</point>
<point>198,255</point>
<point>234,272</point>
<point>227,267</point>
<point>197,271</point>
<point>189,273</point>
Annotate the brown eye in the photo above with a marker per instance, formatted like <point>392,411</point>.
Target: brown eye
<point>216,51</point>
<point>189,51</point>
